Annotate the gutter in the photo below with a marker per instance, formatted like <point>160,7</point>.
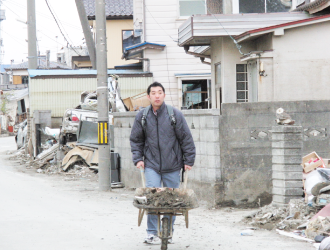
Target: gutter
<point>186,49</point>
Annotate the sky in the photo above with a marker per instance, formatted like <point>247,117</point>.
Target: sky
<point>14,30</point>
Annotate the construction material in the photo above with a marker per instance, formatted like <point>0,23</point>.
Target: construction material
<point>311,162</point>
<point>137,102</point>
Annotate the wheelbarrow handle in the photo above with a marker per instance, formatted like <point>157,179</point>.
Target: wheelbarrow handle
<point>143,178</point>
<point>185,179</point>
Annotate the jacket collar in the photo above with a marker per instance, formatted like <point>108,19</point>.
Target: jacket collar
<point>161,109</point>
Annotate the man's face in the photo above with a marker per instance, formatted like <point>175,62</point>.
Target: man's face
<point>156,96</point>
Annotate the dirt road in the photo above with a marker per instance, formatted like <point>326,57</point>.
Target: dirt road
<point>42,212</point>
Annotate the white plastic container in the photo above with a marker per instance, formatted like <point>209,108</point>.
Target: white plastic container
<point>247,232</point>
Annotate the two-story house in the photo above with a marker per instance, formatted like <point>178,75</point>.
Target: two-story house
<point>264,50</point>
<point>119,29</point>
<point>187,81</point>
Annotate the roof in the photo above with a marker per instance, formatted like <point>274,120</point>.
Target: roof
<point>199,30</point>
<point>314,6</point>
<point>16,95</point>
<point>136,48</point>
<point>2,67</point>
<point>113,9</point>
<point>288,25</point>
<point>84,73</point>
<point>41,65</point>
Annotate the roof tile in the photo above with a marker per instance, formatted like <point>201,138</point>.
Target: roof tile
<point>113,8</point>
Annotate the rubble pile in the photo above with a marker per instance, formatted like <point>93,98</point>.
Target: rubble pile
<point>81,172</point>
<point>284,218</point>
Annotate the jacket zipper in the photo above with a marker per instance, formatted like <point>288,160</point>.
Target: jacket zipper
<point>160,154</point>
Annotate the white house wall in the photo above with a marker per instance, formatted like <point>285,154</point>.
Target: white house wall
<point>301,63</point>
<point>225,52</point>
<point>162,25</point>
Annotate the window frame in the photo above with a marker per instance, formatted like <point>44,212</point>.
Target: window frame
<point>235,6</point>
<point>122,37</point>
<point>246,82</point>
<point>186,17</point>
<point>195,77</point>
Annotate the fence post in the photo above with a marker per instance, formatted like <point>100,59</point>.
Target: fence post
<point>287,144</point>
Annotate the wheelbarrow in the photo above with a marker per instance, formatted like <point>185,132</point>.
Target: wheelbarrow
<point>165,228</point>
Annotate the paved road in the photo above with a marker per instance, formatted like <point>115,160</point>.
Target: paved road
<point>41,212</point>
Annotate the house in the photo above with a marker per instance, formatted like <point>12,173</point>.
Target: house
<point>75,57</point>
<point>59,90</point>
<point>4,77</point>
<point>119,25</point>
<point>186,80</point>
<point>262,57</point>
<point>19,77</point>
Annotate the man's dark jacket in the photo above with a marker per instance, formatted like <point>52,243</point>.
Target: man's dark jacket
<point>162,147</point>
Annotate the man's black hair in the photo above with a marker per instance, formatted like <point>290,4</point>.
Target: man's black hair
<point>155,84</point>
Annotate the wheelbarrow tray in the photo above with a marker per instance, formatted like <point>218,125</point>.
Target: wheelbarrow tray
<point>188,193</point>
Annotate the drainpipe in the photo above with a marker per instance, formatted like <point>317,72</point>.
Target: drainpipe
<point>203,61</point>
<point>144,59</point>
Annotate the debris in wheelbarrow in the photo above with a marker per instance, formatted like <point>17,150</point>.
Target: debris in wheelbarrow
<point>164,197</point>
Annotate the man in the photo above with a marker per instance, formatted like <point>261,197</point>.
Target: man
<point>162,147</point>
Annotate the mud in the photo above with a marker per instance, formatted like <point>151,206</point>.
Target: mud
<point>166,198</point>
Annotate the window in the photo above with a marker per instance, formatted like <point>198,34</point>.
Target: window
<point>260,6</point>
<point>241,83</point>
<point>21,107</point>
<point>191,7</point>
<point>129,39</point>
<point>25,79</point>
<point>195,94</point>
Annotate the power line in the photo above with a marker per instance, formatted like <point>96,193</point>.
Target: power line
<point>60,28</point>
<point>238,46</point>
<point>44,15</point>
<point>160,25</point>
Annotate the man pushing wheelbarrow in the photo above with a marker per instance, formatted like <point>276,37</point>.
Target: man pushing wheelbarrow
<point>162,145</point>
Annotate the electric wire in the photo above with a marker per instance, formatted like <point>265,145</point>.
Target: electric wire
<point>60,22</point>
<point>161,26</point>
<point>238,46</point>
<point>44,15</point>
<point>61,29</point>
<point>18,40</point>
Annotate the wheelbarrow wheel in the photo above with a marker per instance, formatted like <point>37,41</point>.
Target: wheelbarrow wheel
<point>165,233</point>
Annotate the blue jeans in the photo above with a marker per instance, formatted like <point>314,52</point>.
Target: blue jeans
<point>154,179</point>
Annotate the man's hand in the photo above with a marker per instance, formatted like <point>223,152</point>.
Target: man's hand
<point>140,164</point>
<point>187,167</point>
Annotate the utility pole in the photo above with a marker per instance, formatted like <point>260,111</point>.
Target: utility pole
<point>32,34</point>
<point>87,32</point>
<point>102,97</point>
<point>2,17</point>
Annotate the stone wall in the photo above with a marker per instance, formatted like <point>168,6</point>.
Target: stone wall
<point>245,145</point>
<point>205,176</point>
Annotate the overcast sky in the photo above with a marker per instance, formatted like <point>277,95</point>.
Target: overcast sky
<point>14,32</point>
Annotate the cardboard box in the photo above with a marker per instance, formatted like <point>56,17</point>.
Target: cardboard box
<point>136,102</point>
<point>326,162</point>
<point>308,167</point>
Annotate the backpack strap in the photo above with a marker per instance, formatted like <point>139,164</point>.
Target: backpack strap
<point>171,114</point>
<point>144,118</point>
<point>173,123</point>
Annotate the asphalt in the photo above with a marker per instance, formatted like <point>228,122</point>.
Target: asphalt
<point>39,212</point>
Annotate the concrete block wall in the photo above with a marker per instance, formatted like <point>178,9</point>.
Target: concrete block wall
<point>287,146</point>
<point>205,176</point>
<point>246,148</point>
